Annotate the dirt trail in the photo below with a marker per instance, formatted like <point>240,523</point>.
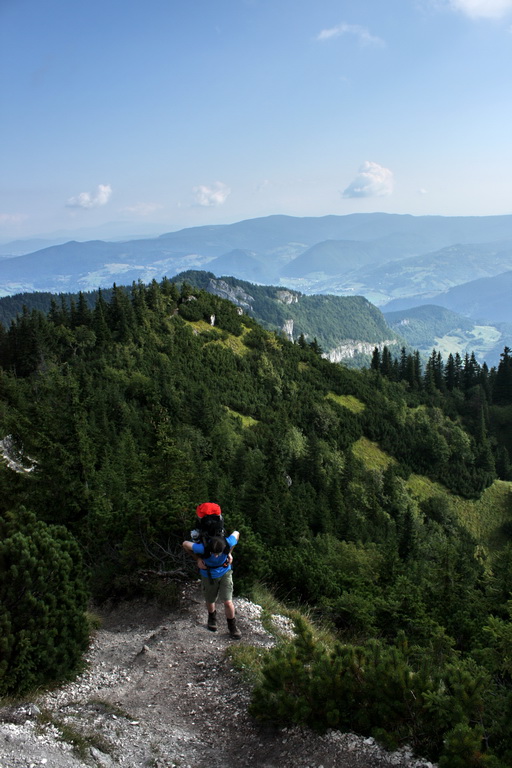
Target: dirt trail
<point>160,692</point>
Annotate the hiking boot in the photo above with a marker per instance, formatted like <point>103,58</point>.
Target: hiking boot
<point>233,629</point>
<point>212,621</point>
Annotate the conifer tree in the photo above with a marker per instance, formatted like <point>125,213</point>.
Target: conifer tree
<point>449,373</point>
<point>99,321</point>
<point>43,627</point>
<point>502,390</point>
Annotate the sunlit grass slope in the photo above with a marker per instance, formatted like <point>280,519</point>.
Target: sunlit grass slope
<point>484,517</point>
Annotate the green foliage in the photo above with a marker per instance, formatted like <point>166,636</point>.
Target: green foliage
<point>44,628</point>
<point>367,496</point>
<point>463,748</point>
<point>374,690</point>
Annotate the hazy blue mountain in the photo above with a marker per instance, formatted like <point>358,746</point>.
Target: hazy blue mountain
<point>379,256</point>
<point>76,266</point>
<point>485,300</point>
<point>428,275</point>
<point>111,231</point>
<point>332,257</point>
<point>239,262</point>
<point>21,247</point>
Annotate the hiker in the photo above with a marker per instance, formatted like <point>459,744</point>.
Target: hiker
<point>213,557</point>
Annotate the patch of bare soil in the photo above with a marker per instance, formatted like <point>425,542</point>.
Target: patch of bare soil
<point>160,692</point>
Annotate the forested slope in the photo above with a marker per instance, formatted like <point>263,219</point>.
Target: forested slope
<point>331,320</point>
<point>138,409</point>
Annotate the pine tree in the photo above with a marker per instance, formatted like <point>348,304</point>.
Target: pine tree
<point>43,627</point>
<point>502,390</point>
<point>449,373</point>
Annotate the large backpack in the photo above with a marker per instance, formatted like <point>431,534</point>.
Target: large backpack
<point>210,523</point>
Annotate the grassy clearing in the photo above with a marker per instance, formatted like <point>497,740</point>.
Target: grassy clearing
<point>422,488</point>
<point>234,343</point>
<point>484,518</point>
<point>371,455</point>
<point>247,421</point>
<point>347,401</point>
<point>200,325</point>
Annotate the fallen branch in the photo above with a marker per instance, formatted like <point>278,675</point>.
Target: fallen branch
<point>164,574</point>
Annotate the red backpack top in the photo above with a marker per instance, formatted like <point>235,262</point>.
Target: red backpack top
<point>209,522</point>
<point>208,508</point>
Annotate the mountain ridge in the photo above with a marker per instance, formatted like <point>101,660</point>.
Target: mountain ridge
<point>395,261</point>
<point>87,264</point>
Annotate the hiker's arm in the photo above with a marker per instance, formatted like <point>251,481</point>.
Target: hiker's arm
<point>188,546</point>
<point>234,535</point>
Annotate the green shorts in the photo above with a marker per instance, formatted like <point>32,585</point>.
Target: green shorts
<point>218,589</point>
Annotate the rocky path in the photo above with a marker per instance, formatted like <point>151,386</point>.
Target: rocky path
<point>160,692</point>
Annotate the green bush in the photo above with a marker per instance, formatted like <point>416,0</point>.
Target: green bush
<point>43,624</point>
<point>373,689</point>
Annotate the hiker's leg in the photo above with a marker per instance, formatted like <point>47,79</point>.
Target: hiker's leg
<point>210,590</point>
<point>229,609</point>
<point>230,617</point>
<point>226,595</point>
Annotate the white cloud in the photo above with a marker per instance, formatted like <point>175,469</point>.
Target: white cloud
<point>88,200</point>
<point>215,195</point>
<point>373,180</point>
<point>142,209</point>
<point>361,33</point>
<point>490,9</point>
<point>12,218</point>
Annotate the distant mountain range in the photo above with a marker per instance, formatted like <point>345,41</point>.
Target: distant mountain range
<point>397,262</point>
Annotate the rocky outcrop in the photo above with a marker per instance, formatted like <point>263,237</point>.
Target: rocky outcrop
<point>287,329</point>
<point>14,458</point>
<point>349,348</point>
<point>236,295</point>
<point>287,297</point>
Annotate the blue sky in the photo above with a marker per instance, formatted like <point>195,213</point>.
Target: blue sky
<point>173,113</point>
